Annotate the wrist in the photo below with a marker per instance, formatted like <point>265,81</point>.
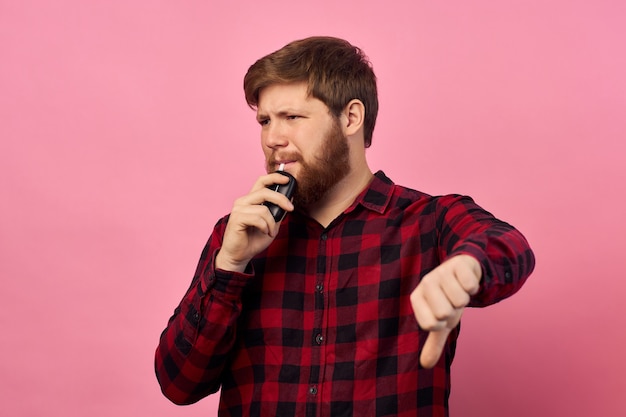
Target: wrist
<point>225,263</point>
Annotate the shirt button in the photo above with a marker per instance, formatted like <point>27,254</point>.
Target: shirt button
<point>319,339</point>
<point>313,390</point>
<point>324,236</point>
<point>319,287</point>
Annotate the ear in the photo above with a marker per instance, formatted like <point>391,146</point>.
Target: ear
<point>353,117</point>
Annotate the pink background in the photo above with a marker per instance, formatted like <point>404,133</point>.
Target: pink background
<point>124,135</point>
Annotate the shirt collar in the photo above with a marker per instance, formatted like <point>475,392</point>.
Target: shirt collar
<point>376,195</point>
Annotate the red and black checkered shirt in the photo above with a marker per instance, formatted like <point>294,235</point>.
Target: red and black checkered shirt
<point>321,324</point>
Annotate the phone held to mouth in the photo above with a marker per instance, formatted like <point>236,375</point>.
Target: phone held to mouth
<point>285,189</point>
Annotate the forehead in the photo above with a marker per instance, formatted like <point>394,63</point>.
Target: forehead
<point>281,97</point>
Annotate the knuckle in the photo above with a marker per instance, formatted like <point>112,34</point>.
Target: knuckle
<point>461,301</point>
<point>433,325</point>
<point>443,314</point>
<point>470,284</point>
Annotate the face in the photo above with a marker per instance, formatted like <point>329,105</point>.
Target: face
<point>299,131</point>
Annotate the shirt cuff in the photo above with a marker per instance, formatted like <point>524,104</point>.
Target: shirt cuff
<point>227,285</point>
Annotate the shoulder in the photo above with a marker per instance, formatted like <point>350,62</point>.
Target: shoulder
<point>413,205</point>
<point>403,197</point>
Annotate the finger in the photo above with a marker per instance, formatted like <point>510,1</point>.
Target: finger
<point>260,196</point>
<point>435,295</point>
<point>279,199</point>
<point>456,295</point>
<point>423,313</point>
<point>468,273</point>
<point>255,216</point>
<point>268,180</point>
<point>435,343</point>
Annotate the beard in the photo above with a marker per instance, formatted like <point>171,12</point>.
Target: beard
<point>330,165</point>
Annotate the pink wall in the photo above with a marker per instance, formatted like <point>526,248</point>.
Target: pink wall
<point>124,136</point>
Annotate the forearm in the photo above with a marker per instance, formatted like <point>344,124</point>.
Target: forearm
<point>201,333</point>
<point>504,254</point>
<point>506,261</point>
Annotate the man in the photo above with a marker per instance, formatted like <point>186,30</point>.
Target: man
<point>351,304</point>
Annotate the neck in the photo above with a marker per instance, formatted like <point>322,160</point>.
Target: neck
<point>341,196</point>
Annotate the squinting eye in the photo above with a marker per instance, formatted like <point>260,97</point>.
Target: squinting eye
<point>292,117</point>
<point>264,122</point>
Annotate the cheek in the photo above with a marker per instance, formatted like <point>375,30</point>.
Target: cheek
<point>309,143</point>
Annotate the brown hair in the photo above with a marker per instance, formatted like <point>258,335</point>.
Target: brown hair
<point>335,70</point>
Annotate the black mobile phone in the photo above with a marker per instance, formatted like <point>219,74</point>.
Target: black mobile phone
<point>286,189</point>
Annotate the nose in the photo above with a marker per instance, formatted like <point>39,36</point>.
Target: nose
<point>273,136</point>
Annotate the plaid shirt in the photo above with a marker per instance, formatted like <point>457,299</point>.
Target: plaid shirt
<point>321,324</point>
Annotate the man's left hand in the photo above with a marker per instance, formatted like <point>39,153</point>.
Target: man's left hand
<point>439,299</point>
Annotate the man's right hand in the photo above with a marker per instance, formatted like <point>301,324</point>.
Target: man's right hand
<point>251,227</point>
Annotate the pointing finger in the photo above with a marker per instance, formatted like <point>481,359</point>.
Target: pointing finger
<point>435,343</point>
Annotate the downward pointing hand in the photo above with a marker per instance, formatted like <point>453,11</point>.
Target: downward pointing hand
<point>439,299</point>
<point>436,342</point>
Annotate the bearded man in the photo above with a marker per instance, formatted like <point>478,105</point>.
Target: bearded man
<point>350,305</point>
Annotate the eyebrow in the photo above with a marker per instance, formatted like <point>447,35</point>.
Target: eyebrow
<point>281,113</point>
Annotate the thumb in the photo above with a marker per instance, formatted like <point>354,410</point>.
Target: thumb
<point>435,342</point>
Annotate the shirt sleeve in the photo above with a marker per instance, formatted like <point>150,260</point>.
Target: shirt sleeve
<point>195,345</point>
<point>503,252</point>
